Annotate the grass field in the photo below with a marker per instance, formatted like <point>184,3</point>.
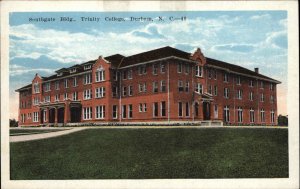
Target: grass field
<point>16,132</point>
<point>154,153</point>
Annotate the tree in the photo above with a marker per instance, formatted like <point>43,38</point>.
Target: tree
<point>13,123</point>
<point>283,120</point>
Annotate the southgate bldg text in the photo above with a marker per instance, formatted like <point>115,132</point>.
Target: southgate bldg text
<point>164,85</point>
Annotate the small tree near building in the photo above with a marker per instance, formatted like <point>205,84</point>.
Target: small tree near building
<point>283,120</point>
<point>13,123</point>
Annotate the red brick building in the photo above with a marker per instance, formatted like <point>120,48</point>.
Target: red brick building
<point>165,85</point>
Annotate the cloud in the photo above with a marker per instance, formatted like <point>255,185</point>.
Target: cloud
<point>277,39</point>
<point>261,16</point>
<point>240,48</point>
<point>15,70</point>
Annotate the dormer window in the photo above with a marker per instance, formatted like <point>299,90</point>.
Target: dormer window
<point>73,70</point>
<point>87,67</point>
<point>100,74</point>
<point>59,74</point>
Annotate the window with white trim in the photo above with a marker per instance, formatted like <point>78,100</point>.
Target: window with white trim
<point>163,108</point>
<point>238,80</point>
<point>215,90</point>
<point>75,95</point>
<point>226,77</point>
<point>262,97</point>
<point>251,95</point>
<point>47,99</point>
<point>240,114</point>
<point>215,74</point>
<point>163,86</point>
<point>130,90</point>
<point>261,84</point>
<point>154,69</point>
<point>199,88</point>
<point>272,99</point>
<point>162,68</point>
<point>100,74</point>
<point>124,92</point>
<point>75,82</point>
<point>142,87</point>
<point>240,94</point>
<point>115,75</point>
<point>124,111</point>
<point>57,97</point>
<point>210,89</point>
<point>179,68</point>
<point>187,86</point>
<point>124,74</point>
<point>66,83</point>
<point>87,67</point>
<point>252,115</point>
<point>130,114</point>
<point>115,91</point>
<point>66,96</point>
<point>272,116</point>
<point>142,70</point>
<point>36,100</point>
<point>180,85</point>
<point>73,70</point>
<point>47,87</point>
<point>187,109</point>
<point>129,74</point>
<point>100,92</point>
<point>251,83</point>
<point>187,68</point>
<point>87,94</point>
<point>155,109</point>
<point>226,92</point>
<point>180,109</point>
<point>115,112</point>
<point>87,113</point>
<point>87,78</point>
<point>155,87</point>
<point>142,107</point>
<point>56,85</point>
<point>45,115</point>
<point>100,112</point>
<point>35,116</point>
<point>209,73</point>
<point>36,87</point>
<point>271,86</point>
<point>226,114</point>
<point>199,71</point>
<point>262,115</point>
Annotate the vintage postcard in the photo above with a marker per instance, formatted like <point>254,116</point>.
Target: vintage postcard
<point>126,94</point>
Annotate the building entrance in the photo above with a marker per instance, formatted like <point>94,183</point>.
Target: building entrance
<point>206,111</point>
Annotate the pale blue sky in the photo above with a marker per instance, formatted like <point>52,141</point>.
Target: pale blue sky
<point>247,38</point>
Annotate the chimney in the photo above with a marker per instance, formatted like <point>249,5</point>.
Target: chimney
<point>256,70</point>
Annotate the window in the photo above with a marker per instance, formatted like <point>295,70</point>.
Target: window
<point>145,107</point>
<point>124,91</point>
<point>124,111</point>
<point>215,74</point>
<point>199,88</point>
<point>75,82</point>
<point>66,83</point>
<point>187,109</point>
<point>87,113</point>
<point>163,86</point>
<point>100,92</point>
<point>155,109</point>
<point>216,111</point>
<point>262,97</point>
<point>100,112</point>
<point>142,107</point>
<point>35,116</point>
<point>87,67</point>
<point>56,85</point>
<point>199,71</point>
<point>115,75</point>
<point>36,101</point>
<point>87,79</point>
<point>179,67</point>
<point>163,108</point>
<point>251,95</point>
<point>142,70</point>
<point>180,86</point>
<point>272,116</point>
<point>226,114</point>
<point>130,111</point>
<point>155,87</point>
<point>115,91</point>
<point>130,90</point>
<point>75,96</point>
<point>238,80</point>
<point>47,99</point>
<point>87,94</point>
<point>129,74</point>
<point>115,112</point>
<point>262,115</point>
<point>154,69</point>
<point>180,109</point>
<point>209,73</point>
<point>142,87</point>
<point>45,115</point>
<point>162,68</point>
<point>187,86</point>
<point>47,87</point>
<point>240,114</point>
<point>226,92</point>
<point>29,116</point>
<point>73,70</point>
<point>66,96</point>
<point>261,84</point>
<point>36,87</point>
<point>252,115</point>
<point>210,89</point>
<point>226,79</point>
<point>239,94</point>
<point>251,83</point>
<point>124,74</point>
<point>187,68</point>
<point>215,90</point>
<point>271,86</point>
<point>272,99</point>
<point>100,74</point>
<point>57,96</point>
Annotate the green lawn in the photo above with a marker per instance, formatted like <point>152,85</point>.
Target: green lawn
<point>154,153</point>
<point>16,132</point>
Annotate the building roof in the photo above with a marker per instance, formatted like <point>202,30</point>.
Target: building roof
<point>120,61</point>
<point>25,87</point>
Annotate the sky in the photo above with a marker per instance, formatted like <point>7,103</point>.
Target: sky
<point>246,38</point>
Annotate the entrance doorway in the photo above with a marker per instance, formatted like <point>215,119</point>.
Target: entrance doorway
<point>75,114</point>
<point>60,115</point>
<point>206,111</point>
<point>52,115</point>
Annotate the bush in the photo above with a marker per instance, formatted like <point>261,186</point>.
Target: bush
<point>13,123</point>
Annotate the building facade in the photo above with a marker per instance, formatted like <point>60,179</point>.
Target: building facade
<point>161,85</point>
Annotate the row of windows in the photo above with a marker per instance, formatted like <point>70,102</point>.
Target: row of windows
<point>239,94</point>
<point>226,115</point>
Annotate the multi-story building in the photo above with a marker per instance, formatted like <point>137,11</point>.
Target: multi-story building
<point>164,84</point>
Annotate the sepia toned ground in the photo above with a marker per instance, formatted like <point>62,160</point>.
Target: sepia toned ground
<point>154,153</point>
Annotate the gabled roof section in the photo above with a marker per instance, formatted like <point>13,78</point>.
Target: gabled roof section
<point>115,59</point>
<point>89,62</point>
<point>236,68</point>
<point>155,54</point>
